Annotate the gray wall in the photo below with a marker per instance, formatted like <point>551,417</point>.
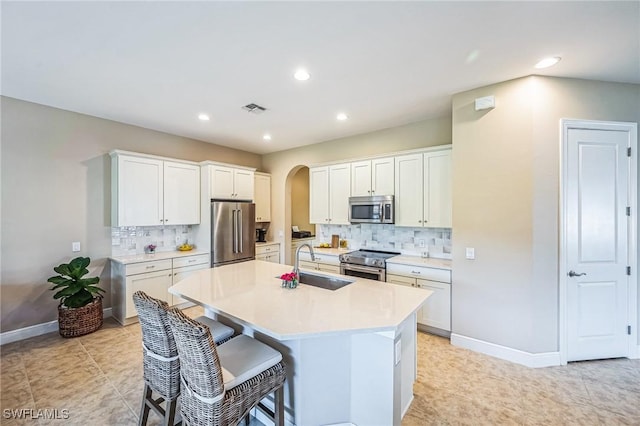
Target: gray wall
<point>55,177</point>
<point>505,203</point>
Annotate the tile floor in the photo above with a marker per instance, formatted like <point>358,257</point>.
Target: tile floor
<point>98,379</point>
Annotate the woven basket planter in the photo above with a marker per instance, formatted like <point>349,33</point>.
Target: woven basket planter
<point>74,322</point>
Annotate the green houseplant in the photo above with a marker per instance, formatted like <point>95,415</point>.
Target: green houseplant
<point>80,308</point>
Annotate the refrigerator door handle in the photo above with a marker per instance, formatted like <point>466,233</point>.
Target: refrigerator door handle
<point>234,225</point>
<point>240,233</point>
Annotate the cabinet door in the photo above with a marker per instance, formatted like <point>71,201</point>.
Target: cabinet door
<point>339,192</point>
<point>263,197</point>
<point>138,192</point>
<point>155,284</point>
<point>437,189</point>
<point>382,176</point>
<point>409,190</point>
<point>180,274</point>
<point>222,182</point>
<point>181,193</point>
<point>243,181</point>
<point>361,178</point>
<point>319,195</point>
<point>436,312</point>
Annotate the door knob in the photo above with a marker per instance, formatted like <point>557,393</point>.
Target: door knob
<point>576,274</point>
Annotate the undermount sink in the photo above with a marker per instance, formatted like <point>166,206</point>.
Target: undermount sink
<point>323,281</point>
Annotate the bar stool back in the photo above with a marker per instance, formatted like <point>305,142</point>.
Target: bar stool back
<point>220,385</point>
<point>161,364</point>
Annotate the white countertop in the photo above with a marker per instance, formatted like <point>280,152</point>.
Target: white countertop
<point>329,251</point>
<point>250,293</point>
<point>162,255</point>
<point>427,262</point>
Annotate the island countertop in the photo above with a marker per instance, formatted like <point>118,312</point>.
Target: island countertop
<point>251,293</point>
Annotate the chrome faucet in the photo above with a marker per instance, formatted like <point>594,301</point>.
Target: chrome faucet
<point>296,268</point>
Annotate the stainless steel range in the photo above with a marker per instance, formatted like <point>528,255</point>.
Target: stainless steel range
<point>370,264</point>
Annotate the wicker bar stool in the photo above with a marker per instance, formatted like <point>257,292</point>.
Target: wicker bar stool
<point>221,384</point>
<point>160,356</point>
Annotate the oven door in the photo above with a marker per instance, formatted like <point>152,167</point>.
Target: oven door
<point>368,272</point>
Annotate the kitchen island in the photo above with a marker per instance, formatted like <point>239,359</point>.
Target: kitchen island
<point>350,353</point>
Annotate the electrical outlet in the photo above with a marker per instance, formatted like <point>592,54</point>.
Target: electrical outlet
<point>421,243</point>
<point>75,246</point>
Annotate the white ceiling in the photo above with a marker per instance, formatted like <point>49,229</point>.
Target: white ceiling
<point>159,64</point>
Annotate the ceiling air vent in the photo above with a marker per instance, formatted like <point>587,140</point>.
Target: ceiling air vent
<point>254,108</point>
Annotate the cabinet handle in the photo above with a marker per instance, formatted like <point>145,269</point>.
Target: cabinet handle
<point>174,274</point>
<point>151,267</point>
<point>415,272</point>
<point>419,221</point>
<point>169,275</point>
<point>192,260</point>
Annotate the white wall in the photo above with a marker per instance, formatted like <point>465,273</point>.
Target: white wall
<point>55,179</point>
<point>505,203</point>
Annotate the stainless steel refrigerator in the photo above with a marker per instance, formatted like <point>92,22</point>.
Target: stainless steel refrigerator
<point>233,232</point>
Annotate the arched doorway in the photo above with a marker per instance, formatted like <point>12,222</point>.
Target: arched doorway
<point>296,206</point>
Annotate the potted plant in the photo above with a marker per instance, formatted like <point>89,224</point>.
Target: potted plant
<point>80,308</point>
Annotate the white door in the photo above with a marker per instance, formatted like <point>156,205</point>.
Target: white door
<point>382,176</point>
<point>243,182</point>
<point>318,195</point>
<point>361,178</point>
<point>181,193</point>
<point>222,182</point>
<point>437,189</point>
<point>262,186</point>
<point>140,192</point>
<point>339,192</point>
<point>409,190</point>
<point>597,255</point>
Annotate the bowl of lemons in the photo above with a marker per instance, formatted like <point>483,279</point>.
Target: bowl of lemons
<point>185,247</point>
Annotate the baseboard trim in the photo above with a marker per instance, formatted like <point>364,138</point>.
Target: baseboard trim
<point>36,330</point>
<point>546,359</point>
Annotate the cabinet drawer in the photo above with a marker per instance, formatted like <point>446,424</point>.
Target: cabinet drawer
<point>269,257</point>
<point>432,274</point>
<point>308,265</point>
<point>143,267</point>
<point>400,279</point>
<point>320,258</point>
<point>200,259</point>
<point>269,248</point>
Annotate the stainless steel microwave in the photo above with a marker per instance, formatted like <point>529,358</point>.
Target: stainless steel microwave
<point>374,209</point>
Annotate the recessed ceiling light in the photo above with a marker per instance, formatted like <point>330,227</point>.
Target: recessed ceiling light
<point>341,117</point>
<point>267,137</point>
<point>203,117</point>
<point>301,74</point>
<point>548,62</point>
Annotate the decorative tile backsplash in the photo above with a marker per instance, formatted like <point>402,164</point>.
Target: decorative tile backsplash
<point>434,242</point>
<point>128,240</point>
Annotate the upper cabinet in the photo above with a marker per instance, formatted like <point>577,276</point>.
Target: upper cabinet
<point>329,191</point>
<point>150,191</point>
<point>231,183</point>
<point>372,177</point>
<point>262,200</point>
<point>423,189</point>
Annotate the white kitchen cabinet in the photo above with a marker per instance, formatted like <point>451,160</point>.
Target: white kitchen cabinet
<point>150,191</point>
<point>231,183</point>
<point>322,262</point>
<point>436,312</point>
<point>269,252</point>
<point>262,186</point>
<point>154,277</point>
<point>423,189</point>
<point>373,177</point>
<point>185,266</point>
<point>329,191</point>
<point>181,193</point>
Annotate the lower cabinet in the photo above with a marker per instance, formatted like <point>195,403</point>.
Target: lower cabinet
<point>322,262</point>
<point>269,252</point>
<point>436,312</point>
<point>153,277</point>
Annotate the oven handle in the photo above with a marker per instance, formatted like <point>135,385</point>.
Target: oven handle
<point>360,268</point>
<point>382,209</point>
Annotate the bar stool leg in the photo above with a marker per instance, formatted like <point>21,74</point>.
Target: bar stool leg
<point>170,412</point>
<point>279,406</point>
<point>144,410</point>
